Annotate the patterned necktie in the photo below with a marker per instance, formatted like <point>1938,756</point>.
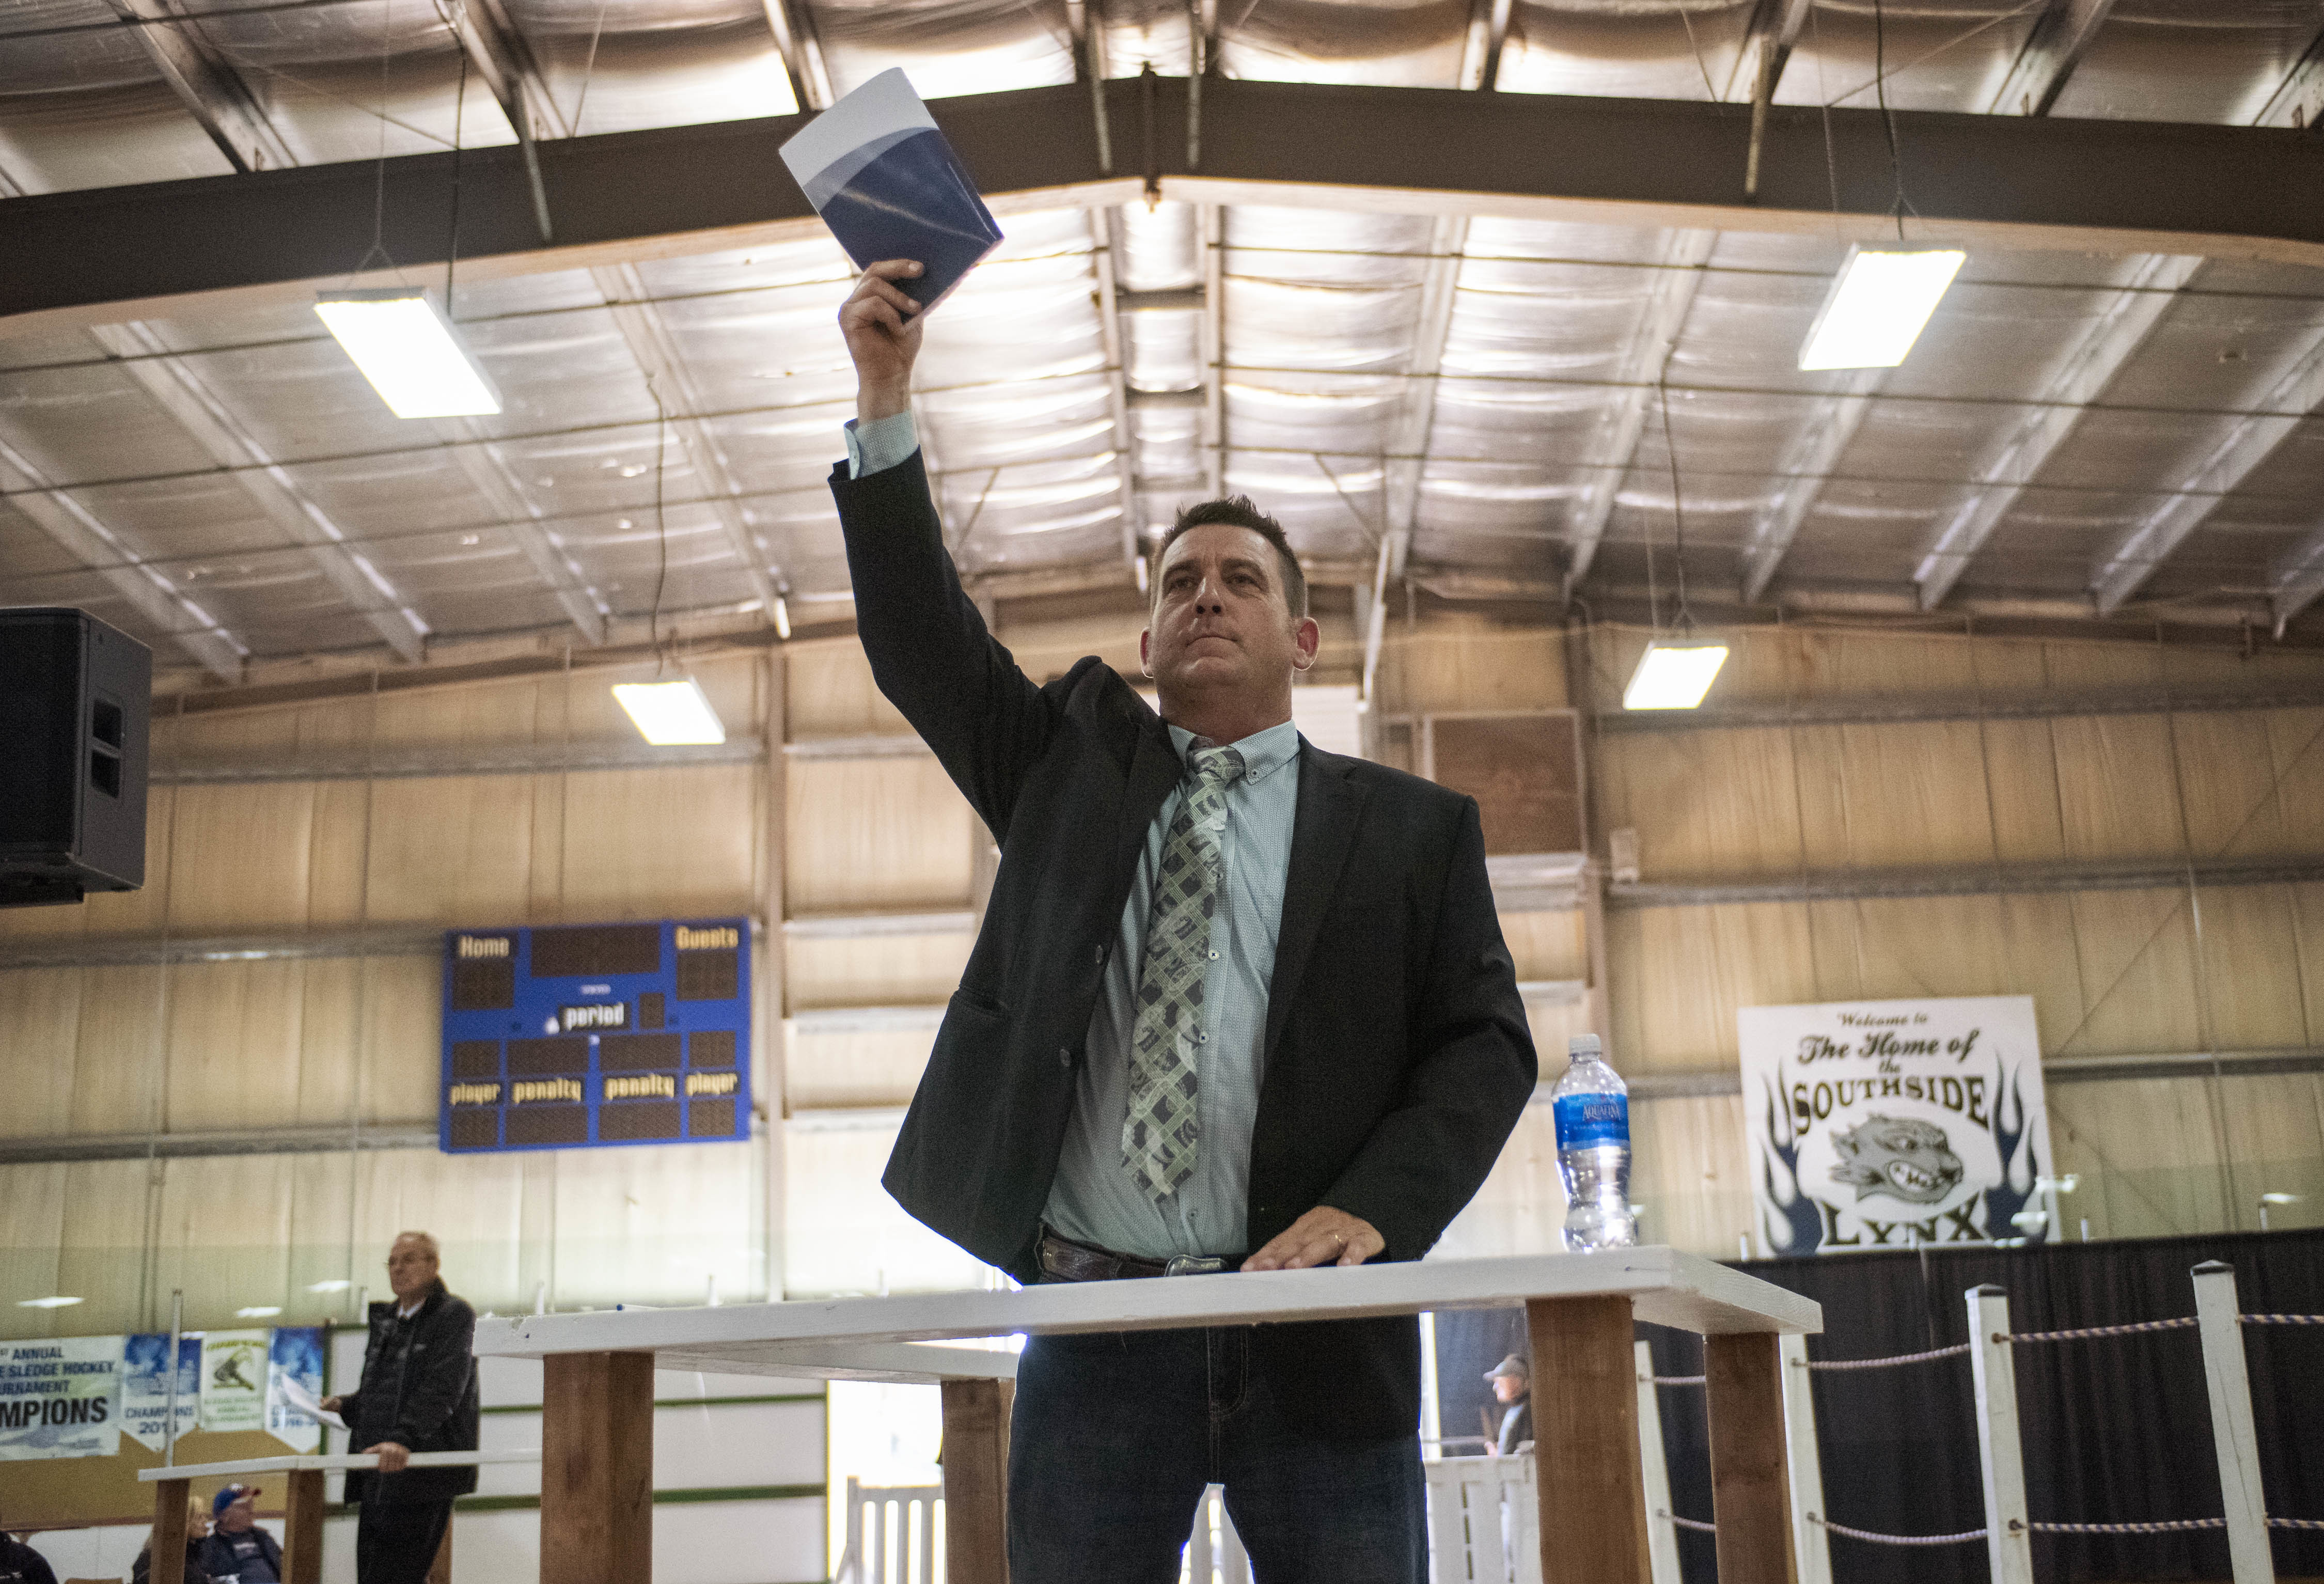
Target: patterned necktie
<point>1159,1135</point>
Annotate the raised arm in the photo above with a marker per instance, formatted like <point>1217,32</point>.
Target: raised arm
<point>930,652</point>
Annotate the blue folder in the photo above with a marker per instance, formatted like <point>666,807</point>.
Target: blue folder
<point>883,179</point>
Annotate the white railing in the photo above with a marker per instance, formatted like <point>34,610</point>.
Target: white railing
<point>1484,1520</point>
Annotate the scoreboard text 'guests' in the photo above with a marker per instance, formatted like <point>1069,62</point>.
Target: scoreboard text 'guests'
<point>586,1035</point>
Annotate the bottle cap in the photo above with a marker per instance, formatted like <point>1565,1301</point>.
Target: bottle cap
<point>1583,1044</point>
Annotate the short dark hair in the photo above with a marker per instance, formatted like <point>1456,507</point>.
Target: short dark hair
<point>1239,512</point>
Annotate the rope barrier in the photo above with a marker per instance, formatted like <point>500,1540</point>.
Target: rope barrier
<point>2086,1332</point>
<point>1955,1350</point>
<point>1695,1524</point>
<point>2170,1527</point>
<point>1678,1379</point>
<point>2282,1318</point>
<point>1963,1538</point>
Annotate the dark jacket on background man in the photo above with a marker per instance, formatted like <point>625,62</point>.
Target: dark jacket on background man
<point>230,1556</point>
<point>20,1562</point>
<point>419,1390</point>
<point>1396,1055</point>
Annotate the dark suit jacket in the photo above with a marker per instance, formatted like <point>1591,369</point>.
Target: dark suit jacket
<point>422,1397</point>
<point>1397,1057</point>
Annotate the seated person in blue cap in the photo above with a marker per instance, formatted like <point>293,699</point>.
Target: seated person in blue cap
<point>237,1548</point>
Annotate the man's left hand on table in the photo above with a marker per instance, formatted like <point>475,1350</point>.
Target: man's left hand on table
<point>1323,1236</point>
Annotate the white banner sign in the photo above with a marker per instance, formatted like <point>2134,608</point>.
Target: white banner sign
<point>1880,1124</point>
<point>60,1398</point>
<point>233,1380</point>
<point>146,1387</point>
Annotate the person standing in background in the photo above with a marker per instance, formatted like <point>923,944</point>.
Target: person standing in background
<point>418,1395</point>
<point>1512,1383</point>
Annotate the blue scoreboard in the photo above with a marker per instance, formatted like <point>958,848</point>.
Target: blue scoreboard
<point>588,1035</point>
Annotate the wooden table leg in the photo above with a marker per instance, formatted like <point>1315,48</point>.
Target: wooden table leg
<point>1585,1426</point>
<point>977,1480</point>
<point>302,1528</point>
<point>1750,1481</point>
<point>596,1469</point>
<point>168,1554</point>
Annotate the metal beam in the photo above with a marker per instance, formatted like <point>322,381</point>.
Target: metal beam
<point>138,1146</point>
<point>1903,708</point>
<point>2241,446</point>
<point>1407,438</point>
<point>802,53</point>
<point>2146,286</point>
<point>1211,237</point>
<point>1814,450</point>
<point>2300,102</point>
<point>211,425</point>
<point>655,348</point>
<point>108,254</point>
<point>473,452</point>
<point>414,763</point>
<point>1963,880</point>
<point>2061,36</point>
<point>212,91</point>
<point>495,46</point>
<point>2299,580</point>
<point>1704,1082</point>
<point>1671,287</point>
<point>1105,225</point>
<point>145,951</point>
<point>1767,49</point>
<point>83,535</point>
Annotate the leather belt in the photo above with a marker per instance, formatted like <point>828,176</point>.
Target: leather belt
<point>1064,1260</point>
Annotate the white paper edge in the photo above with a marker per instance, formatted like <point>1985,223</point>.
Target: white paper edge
<point>885,104</point>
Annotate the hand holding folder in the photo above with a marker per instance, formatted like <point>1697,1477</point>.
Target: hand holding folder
<point>887,183</point>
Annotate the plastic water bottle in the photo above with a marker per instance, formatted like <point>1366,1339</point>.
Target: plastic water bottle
<point>1593,1108</point>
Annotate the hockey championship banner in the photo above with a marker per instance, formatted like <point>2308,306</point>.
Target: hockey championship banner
<point>1878,1124</point>
<point>61,1397</point>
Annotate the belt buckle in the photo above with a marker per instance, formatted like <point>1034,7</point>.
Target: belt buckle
<point>1194,1265</point>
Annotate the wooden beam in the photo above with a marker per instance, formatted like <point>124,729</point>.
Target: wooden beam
<point>596,1469</point>
<point>976,1480</point>
<point>1750,1486</point>
<point>1585,1418</point>
<point>302,1528</point>
<point>168,1553</point>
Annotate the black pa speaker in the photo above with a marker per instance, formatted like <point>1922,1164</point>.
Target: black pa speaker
<point>74,695</point>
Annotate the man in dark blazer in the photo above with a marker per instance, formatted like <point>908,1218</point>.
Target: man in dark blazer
<point>1236,1003</point>
<point>418,1394</point>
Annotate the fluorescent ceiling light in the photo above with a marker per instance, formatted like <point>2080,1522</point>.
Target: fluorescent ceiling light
<point>1876,308</point>
<point>328,1286</point>
<point>671,714</point>
<point>1673,677</point>
<point>411,352</point>
<point>2264,1199</point>
<point>259,1312</point>
<point>59,1302</point>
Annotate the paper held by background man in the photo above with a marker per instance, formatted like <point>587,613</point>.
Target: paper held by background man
<point>888,184</point>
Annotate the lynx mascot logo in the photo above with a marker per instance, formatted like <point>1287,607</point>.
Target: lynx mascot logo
<point>1900,1157</point>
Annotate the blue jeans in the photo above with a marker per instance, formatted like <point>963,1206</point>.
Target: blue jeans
<point>1114,1436</point>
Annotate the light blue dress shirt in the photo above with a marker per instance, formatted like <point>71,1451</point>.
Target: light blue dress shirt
<point>1095,1199</point>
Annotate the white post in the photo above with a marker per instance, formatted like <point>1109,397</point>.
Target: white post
<point>2231,1423</point>
<point>169,1424</point>
<point>2008,1543</point>
<point>1662,1534</point>
<point>1811,1546</point>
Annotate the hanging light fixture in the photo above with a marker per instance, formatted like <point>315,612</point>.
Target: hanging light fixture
<point>1876,308</point>
<point>671,714</point>
<point>412,354</point>
<point>1674,672</point>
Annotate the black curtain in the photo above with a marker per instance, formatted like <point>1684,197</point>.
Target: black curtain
<point>2115,1431</point>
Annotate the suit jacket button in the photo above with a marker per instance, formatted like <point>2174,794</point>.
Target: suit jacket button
<point>1064,1058</point>
<point>1099,954</point>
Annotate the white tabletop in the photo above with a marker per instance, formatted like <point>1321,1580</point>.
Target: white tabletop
<point>309,1462</point>
<point>857,1337</point>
